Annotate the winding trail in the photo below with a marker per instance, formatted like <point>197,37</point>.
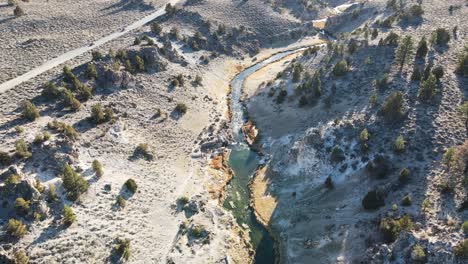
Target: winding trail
<point>79,51</point>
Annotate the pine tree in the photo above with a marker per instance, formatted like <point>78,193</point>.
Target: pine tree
<point>422,48</point>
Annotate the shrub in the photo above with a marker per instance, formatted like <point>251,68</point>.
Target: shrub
<point>50,90</point>
<point>140,64</point>
<point>41,137</point>
<point>438,72</point>
<point>198,231</point>
<point>91,72</point>
<point>391,39</point>
<point>399,145</point>
<point>181,108</point>
<point>73,183</point>
<point>373,200</point>
<point>462,67</point>
<point>463,112</point>
<point>337,154</point>
<point>156,28</point>
<point>281,96</point>
<point>85,92</point>
<point>406,200</point>
<point>29,110</point>
<point>440,36</point>
<point>51,194</point>
<point>391,228</point>
<point>378,167</point>
<point>137,41</point>
<point>404,51</point>
<point>38,185</point>
<point>68,216</point>
<point>461,250</point>
<point>297,73</point>
<point>416,11</point>
<point>392,108</point>
<point>18,12</point>
<point>421,52</point>
<point>96,55</point>
<point>449,157</point>
<point>21,206</point>
<point>70,100</point>
<point>131,185</point>
<point>417,254</point>
<point>19,129</point>
<point>21,257</point>
<point>416,76</point>
<point>12,2</point>
<point>64,129</point>
<point>123,248</point>
<point>13,179</point>
<point>97,114</point>
<point>22,149</point>
<point>464,227</point>
<point>121,201</point>
<point>382,81</point>
<point>340,68</point>
<point>404,175</point>
<point>16,228</point>
<point>373,98</point>
<point>428,88</point>
<point>5,158</point>
<point>97,168</point>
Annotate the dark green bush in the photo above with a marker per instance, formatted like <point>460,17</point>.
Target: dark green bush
<point>440,36</point>
<point>5,158</point>
<point>428,88</point>
<point>181,108</point>
<point>91,72</point>
<point>64,129</point>
<point>392,107</point>
<point>156,28</point>
<point>337,154</point>
<point>18,11</point>
<point>73,183</point>
<point>391,228</point>
<point>404,175</point>
<point>131,185</point>
<point>70,100</point>
<point>438,71</point>
<point>50,90</point>
<point>68,216</point>
<point>29,110</point>
<point>391,39</point>
<point>340,68</point>
<point>464,227</point>
<point>406,200</point>
<point>399,145</point>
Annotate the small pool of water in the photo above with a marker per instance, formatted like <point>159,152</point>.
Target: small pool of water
<point>244,162</point>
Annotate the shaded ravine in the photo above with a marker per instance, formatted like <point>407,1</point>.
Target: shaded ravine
<point>244,162</point>
<point>50,64</point>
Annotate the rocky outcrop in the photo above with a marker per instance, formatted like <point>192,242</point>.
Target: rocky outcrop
<point>116,78</point>
<point>250,132</point>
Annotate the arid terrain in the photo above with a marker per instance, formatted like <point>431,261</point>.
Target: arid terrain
<point>346,121</point>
